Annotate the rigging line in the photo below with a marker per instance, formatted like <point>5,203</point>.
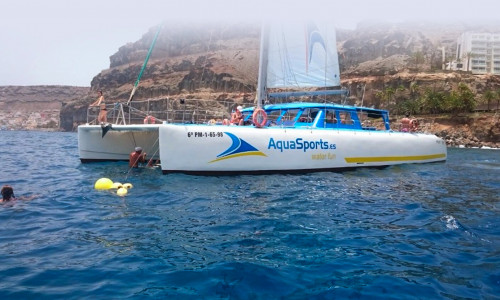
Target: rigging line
<point>157,139</point>
<point>151,159</point>
<point>133,138</point>
<point>288,65</point>
<point>130,168</point>
<point>144,64</point>
<point>326,60</point>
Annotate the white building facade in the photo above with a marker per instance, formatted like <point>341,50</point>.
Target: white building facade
<point>479,53</point>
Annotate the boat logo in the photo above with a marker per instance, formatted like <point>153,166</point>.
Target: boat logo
<point>314,37</point>
<point>238,148</point>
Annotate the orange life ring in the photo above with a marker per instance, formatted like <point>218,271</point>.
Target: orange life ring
<point>259,113</point>
<point>149,120</point>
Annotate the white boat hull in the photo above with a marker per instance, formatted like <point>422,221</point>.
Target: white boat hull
<point>117,143</point>
<point>205,149</point>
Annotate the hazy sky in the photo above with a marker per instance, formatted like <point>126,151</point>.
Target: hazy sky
<point>68,42</point>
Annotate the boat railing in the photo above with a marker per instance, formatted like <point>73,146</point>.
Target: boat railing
<point>171,111</point>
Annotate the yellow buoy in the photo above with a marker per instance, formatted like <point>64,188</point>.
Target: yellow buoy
<point>121,192</point>
<point>103,184</point>
<point>128,185</point>
<point>117,185</point>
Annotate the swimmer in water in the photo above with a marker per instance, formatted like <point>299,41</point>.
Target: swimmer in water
<point>8,194</point>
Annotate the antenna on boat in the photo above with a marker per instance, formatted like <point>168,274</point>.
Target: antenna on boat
<point>144,65</point>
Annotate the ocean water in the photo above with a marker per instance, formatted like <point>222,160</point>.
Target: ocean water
<point>429,231</point>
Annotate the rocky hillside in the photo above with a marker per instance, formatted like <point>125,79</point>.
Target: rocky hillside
<point>214,59</point>
<point>220,62</point>
<point>35,107</point>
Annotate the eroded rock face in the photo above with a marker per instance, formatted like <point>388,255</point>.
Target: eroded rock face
<point>220,62</point>
<point>35,107</point>
<point>471,130</point>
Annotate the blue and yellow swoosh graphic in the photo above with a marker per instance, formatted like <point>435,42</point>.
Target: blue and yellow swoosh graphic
<point>238,148</point>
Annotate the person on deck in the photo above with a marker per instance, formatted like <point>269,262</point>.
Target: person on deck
<point>103,112</point>
<point>136,157</point>
<point>405,123</point>
<point>237,116</point>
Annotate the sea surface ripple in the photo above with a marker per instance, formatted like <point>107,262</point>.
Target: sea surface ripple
<point>425,231</point>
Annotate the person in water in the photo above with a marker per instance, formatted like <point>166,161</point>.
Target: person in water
<point>8,194</point>
<point>103,112</point>
<point>136,157</point>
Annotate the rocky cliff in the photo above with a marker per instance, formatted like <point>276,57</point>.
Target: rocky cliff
<point>35,107</point>
<point>220,62</point>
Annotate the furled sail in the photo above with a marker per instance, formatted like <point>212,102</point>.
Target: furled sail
<point>302,55</point>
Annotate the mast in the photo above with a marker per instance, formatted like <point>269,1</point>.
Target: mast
<point>261,94</point>
<point>144,65</point>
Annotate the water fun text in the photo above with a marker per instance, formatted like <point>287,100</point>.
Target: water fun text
<point>300,144</point>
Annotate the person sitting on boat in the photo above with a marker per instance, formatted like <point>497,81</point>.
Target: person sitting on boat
<point>136,157</point>
<point>103,113</point>
<point>413,125</point>
<point>237,116</point>
<point>405,123</point>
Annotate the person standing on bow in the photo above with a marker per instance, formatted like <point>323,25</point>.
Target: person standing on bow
<point>103,112</point>
<point>136,157</point>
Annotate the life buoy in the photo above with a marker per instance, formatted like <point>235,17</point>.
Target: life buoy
<point>259,118</point>
<point>149,120</point>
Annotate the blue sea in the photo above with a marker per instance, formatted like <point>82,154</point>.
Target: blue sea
<point>424,231</point>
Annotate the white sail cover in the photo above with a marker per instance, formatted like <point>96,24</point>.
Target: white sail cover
<point>302,55</point>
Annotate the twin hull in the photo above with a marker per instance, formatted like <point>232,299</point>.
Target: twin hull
<point>240,149</point>
<point>117,142</point>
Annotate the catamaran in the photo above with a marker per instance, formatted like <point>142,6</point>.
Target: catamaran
<point>295,136</point>
<point>115,140</point>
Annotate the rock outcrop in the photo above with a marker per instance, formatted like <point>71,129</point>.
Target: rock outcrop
<point>35,107</point>
<point>220,62</point>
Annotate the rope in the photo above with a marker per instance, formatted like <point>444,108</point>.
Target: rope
<point>130,168</point>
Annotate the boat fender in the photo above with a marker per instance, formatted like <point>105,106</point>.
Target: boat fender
<point>259,118</point>
<point>127,185</point>
<point>149,120</point>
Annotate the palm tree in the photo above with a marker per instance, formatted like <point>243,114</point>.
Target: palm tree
<point>414,90</point>
<point>498,98</point>
<point>488,96</point>
<point>419,58</point>
<point>468,56</point>
<point>386,95</point>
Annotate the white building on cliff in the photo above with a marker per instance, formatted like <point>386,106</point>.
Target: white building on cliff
<point>479,53</point>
